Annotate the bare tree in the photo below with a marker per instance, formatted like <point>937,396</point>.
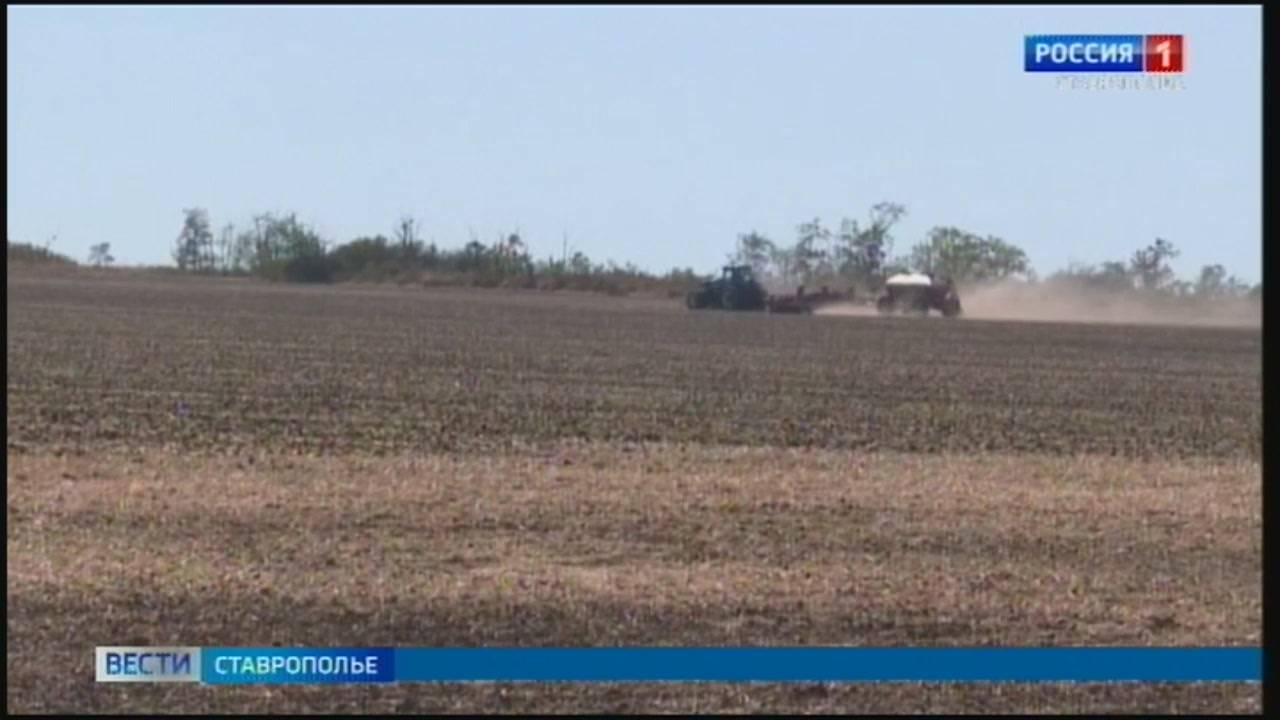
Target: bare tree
<point>812,253</point>
<point>756,250</point>
<point>192,251</point>
<point>861,252</point>
<point>1151,264</point>
<point>406,237</point>
<point>226,248</point>
<point>100,255</point>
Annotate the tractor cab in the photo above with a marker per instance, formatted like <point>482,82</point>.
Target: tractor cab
<point>738,274</point>
<point>735,289</point>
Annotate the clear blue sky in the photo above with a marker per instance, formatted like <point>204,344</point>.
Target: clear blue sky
<point>650,135</point>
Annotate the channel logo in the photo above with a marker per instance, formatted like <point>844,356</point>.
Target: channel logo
<point>147,664</point>
<point>243,666</point>
<point>1104,53</point>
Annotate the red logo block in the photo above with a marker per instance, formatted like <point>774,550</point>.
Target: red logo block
<point>1163,54</point>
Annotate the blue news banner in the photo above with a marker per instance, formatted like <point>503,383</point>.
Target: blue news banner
<point>332,666</point>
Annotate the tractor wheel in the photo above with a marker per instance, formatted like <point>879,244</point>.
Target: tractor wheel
<point>951,309</point>
<point>884,306</point>
<point>732,301</point>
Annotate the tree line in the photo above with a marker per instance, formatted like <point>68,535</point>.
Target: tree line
<point>22,252</point>
<point>1148,270</point>
<point>859,254</point>
<point>280,247</point>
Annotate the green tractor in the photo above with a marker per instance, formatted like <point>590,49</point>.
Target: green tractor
<point>736,289</point>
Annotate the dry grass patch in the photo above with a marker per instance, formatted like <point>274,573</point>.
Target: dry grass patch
<point>624,544</point>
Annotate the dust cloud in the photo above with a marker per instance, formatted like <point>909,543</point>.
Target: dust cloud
<point>1062,303</point>
<point>845,308</point>
<point>1050,302</point>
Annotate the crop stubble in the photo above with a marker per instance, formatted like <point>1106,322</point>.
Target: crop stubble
<point>230,463</point>
<point>209,368</point>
